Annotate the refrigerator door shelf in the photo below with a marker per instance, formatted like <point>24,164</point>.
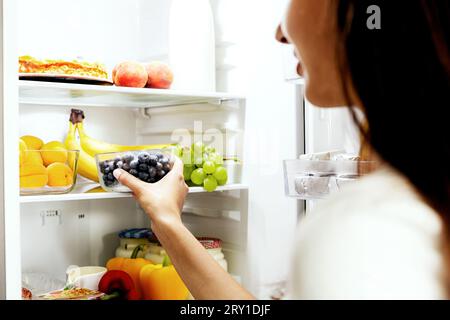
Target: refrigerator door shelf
<point>316,179</point>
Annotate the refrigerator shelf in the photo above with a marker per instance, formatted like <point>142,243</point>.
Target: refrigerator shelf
<point>316,179</point>
<point>80,194</point>
<point>81,95</point>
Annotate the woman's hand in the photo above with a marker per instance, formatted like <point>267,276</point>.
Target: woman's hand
<point>162,201</point>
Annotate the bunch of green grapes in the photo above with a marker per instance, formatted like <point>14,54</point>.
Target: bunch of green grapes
<point>203,166</point>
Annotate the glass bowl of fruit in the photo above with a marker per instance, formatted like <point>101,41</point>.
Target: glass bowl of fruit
<point>149,166</point>
<point>48,171</point>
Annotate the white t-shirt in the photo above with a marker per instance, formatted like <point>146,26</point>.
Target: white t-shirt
<point>376,239</point>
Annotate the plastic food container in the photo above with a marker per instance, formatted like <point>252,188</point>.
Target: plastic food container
<point>315,179</point>
<point>149,166</point>
<point>48,171</point>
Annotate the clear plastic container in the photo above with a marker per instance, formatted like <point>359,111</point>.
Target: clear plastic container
<point>48,171</point>
<point>315,179</point>
<point>149,166</point>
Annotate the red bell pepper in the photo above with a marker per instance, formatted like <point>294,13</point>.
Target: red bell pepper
<point>117,284</point>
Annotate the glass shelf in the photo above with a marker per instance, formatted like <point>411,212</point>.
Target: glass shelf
<point>81,95</point>
<point>92,192</point>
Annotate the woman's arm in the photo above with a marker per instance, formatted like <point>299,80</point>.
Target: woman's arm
<point>163,202</point>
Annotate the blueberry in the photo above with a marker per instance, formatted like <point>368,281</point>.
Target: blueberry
<point>164,160</point>
<point>159,166</point>
<point>160,173</point>
<point>117,159</point>
<point>106,170</point>
<point>153,159</point>
<point>134,164</point>
<point>151,180</point>
<point>152,172</point>
<point>144,157</point>
<point>111,177</point>
<point>166,167</point>
<point>102,167</point>
<point>160,155</point>
<point>134,172</point>
<point>143,167</point>
<point>111,166</point>
<point>143,176</point>
<point>127,158</point>
<point>119,164</point>
<point>126,167</point>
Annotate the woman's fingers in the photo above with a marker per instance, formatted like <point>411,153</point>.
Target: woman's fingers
<point>129,180</point>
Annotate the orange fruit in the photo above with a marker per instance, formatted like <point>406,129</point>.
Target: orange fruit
<point>52,152</point>
<point>33,143</point>
<point>59,175</point>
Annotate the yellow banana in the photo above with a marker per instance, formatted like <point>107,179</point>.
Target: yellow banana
<point>93,147</point>
<point>87,166</point>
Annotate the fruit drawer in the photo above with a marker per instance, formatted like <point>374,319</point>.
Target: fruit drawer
<point>316,179</point>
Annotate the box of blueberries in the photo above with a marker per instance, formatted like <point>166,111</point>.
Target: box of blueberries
<point>149,166</point>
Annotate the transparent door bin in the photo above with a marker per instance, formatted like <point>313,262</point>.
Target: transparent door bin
<point>316,179</point>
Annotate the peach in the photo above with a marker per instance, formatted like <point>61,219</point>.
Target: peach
<point>159,75</point>
<point>32,142</point>
<point>130,74</point>
<point>59,175</point>
<point>52,152</point>
<point>33,176</point>
<point>33,157</point>
<point>22,151</point>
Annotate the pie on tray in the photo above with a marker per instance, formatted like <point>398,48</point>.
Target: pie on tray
<point>28,64</point>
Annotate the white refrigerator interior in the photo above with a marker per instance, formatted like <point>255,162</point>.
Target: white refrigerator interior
<point>260,113</point>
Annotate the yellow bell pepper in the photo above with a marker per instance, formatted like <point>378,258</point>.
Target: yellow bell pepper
<point>132,266</point>
<point>162,282</point>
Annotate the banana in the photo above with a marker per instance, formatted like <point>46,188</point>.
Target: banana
<point>93,147</point>
<point>87,166</point>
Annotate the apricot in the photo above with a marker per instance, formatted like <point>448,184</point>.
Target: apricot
<point>32,142</point>
<point>33,157</point>
<point>22,151</point>
<point>59,175</point>
<point>52,152</point>
<point>130,74</point>
<point>33,176</point>
<point>159,75</point>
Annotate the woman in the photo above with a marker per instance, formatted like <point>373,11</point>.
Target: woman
<point>386,235</point>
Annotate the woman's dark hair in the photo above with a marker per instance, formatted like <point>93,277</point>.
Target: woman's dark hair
<point>401,73</point>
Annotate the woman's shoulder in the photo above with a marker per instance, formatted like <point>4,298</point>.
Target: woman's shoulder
<point>375,239</point>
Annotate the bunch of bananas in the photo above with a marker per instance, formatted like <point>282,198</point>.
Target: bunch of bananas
<point>90,147</point>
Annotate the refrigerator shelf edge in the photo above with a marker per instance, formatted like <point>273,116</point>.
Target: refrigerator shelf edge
<point>67,94</point>
<point>74,196</point>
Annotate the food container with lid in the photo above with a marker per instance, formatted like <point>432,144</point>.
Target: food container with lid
<point>149,166</point>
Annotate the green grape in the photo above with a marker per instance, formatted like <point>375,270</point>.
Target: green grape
<point>199,162</point>
<point>187,171</point>
<point>222,182</point>
<point>197,176</point>
<point>198,147</point>
<point>210,184</point>
<point>221,174</point>
<point>209,167</point>
<point>210,149</point>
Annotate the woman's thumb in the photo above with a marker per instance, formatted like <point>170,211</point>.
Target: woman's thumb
<point>128,180</point>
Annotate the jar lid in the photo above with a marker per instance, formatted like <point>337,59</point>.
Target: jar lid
<point>210,243</point>
<point>135,233</point>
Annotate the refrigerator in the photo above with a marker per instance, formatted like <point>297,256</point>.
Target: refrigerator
<point>257,103</point>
